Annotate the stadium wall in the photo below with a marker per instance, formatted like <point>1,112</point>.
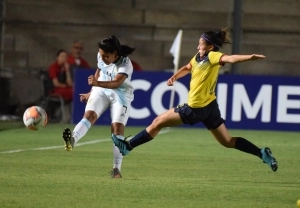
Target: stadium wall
<point>246,102</point>
<point>32,34</point>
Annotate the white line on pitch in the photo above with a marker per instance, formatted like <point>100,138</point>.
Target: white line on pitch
<point>77,145</point>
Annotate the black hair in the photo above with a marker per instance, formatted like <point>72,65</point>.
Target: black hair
<point>217,39</point>
<point>112,44</point>
<point>60,51</point>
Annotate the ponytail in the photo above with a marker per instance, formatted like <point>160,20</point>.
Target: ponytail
<point>126,50</point>
<point>223,35</point>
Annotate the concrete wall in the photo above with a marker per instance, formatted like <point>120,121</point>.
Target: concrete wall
<point>35,29</point>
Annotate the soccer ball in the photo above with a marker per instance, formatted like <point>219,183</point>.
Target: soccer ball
<point>35,117</point>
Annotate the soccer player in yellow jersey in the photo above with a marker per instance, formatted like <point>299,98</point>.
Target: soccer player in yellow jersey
<point>202,105</point>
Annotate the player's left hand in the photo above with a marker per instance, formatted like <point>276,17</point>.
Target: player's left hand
<point>171,81</point>
<point>92,80</point>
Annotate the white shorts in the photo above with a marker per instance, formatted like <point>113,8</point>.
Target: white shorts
<point>100,100</point>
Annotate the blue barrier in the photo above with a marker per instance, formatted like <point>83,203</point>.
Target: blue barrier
<point>246,102</point>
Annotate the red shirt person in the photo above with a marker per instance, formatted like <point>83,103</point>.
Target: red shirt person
<point>75,59</point>
<point>60,75</point>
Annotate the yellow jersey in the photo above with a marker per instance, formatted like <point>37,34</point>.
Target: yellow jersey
<point>204,75</point>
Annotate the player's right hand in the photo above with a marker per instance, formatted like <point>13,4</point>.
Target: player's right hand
<point>84,97</point>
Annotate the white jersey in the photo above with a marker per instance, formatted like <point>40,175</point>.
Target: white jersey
<point>109,72</point>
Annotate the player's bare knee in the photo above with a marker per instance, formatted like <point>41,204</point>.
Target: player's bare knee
<point>156,123</point>
<point>91,116</point>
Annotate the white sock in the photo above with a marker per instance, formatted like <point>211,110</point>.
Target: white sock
<point>118,157</point>
<point>80,129</point>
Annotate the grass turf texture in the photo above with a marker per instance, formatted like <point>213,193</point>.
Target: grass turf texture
<point>185,167</point>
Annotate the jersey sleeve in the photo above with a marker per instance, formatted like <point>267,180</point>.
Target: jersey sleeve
<point>215,58</point>
<point>126,68</point>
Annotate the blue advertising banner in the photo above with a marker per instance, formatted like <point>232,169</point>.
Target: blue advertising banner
<point>245,102</point>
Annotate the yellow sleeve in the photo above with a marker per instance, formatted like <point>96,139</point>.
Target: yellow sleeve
<point>214,57</point>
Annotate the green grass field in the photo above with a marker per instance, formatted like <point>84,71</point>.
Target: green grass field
<point>184,167</point>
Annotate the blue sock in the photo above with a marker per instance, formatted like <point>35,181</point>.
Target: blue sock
<point>140,139</point>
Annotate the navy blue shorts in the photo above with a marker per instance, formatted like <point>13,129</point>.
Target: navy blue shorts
<point>209,115</point>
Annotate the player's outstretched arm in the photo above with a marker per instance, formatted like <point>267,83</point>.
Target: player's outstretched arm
<point>241,58</point>
<point>180,73</point>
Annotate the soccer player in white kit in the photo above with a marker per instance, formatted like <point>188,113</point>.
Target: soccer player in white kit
<point>111,88</point>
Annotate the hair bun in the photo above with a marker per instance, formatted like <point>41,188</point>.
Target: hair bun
<point>221,33</point>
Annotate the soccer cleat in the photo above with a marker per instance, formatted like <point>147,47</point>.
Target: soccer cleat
<point>115,173</point>
<point>120,142</point>
<point>68,139</point>
<point>267,157</point>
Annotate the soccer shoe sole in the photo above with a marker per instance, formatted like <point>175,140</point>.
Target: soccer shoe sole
<point>274,164</point>
<point>68,139</point>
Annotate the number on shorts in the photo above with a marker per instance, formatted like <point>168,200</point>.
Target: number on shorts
<point>125,108</point>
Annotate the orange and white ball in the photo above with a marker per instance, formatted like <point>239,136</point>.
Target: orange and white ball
<point>35,118</point>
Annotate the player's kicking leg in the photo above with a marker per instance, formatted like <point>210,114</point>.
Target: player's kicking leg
<point>68,139</point>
